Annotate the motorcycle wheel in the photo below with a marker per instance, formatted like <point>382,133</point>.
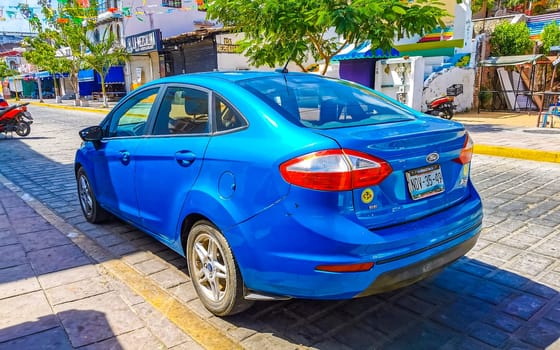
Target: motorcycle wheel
<point>447,112</point>
<point>23,129</point>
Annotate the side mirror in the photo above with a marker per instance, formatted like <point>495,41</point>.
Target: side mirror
<point>93,134</point>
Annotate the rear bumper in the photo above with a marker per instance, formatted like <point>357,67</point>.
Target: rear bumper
<point>408,275</point>
<point>278,253</point>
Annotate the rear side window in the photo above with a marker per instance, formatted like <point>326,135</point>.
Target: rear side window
<point>227,118</point>
<point>323,103</point>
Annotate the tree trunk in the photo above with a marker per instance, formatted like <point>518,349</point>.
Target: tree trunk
<point>105,103</point>
<point>56,88</point>
<point>76,87</point>
<point>484,9</point>
<point>326,67</point>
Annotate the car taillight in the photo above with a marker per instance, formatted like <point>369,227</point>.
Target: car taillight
<point>466,151</point>
<point>335,170</point>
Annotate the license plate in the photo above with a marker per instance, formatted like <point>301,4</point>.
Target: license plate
<point>425,182</point>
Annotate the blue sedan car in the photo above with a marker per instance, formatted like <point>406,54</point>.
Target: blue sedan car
<point>283,185</point>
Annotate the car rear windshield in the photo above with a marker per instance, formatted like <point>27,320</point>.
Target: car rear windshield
<point>324,103</point>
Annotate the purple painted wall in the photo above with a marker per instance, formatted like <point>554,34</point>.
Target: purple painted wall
<point>359,71</point>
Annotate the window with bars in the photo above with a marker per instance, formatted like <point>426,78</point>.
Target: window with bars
<point>172,3</point>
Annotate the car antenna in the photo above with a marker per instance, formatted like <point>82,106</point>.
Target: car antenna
<point>285,68</point>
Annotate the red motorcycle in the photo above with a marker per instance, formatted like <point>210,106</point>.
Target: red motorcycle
<point>15,118</point>
<point>443,106</point>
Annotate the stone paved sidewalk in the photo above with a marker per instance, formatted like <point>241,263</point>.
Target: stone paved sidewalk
<point>54,296</point>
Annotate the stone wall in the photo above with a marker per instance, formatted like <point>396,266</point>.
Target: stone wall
<point>487,25</point>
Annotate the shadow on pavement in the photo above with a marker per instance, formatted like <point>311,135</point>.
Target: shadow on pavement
<point>457,308</point>
<point>84,327</point>
<point>9,138</point>
<point>490,128</point>
<point>543,131</point>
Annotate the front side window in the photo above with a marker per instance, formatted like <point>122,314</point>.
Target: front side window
<point>324,103</point>
<point>130,118</point>
<point>183,110</point>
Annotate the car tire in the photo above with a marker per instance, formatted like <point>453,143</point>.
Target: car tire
<point>214,272</point>
<point>448,111</point>
<point>93,212</point>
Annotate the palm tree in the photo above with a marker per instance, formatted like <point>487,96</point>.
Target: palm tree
<point>104,54</point>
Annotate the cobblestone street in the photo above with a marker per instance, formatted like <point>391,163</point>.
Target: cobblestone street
<point>504,294</point>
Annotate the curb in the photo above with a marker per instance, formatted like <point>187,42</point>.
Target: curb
<point>520,153</point>
<point>80,108</point>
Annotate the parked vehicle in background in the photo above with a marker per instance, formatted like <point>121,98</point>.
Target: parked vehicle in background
<point>283,185</point>
<point>443,106</point>
<point>15,118</point>
<point>45,94</point>
<point>69,96</point>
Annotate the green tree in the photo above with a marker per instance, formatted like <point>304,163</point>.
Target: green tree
<point>279,31</point>
<point>42,53</point>
<point>69,29</point>
<point>550,36</point>
<point>65,28</point>
<point>514,3</point>
<point>6,71</point>
<point>104,54</point>
<point>481,5</point>
<point>511,39</point>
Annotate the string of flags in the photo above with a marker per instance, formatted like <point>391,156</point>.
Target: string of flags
<point>21,11</point>
<point>24,11</point>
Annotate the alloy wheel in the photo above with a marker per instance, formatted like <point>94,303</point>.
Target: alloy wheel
<point>84,192</point>
<point>214,271</point>
<point>210,269</point>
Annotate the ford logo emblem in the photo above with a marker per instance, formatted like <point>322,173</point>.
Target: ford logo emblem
<point>432,157</point>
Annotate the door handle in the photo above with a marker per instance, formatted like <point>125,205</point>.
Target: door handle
<point>185,158</point>
<point>125,157</point>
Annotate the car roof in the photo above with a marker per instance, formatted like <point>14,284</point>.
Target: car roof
<point>232,76</point>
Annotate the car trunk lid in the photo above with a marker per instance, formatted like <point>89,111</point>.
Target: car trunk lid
<point>426,175</point>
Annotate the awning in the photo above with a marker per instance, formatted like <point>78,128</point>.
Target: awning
<point>86,75</point>
<point>353,52</point>
<point>509,60</point>
<point>115,75</point>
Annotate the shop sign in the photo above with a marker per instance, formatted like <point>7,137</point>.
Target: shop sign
<point>143,42</point>
<point>227,47</point>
